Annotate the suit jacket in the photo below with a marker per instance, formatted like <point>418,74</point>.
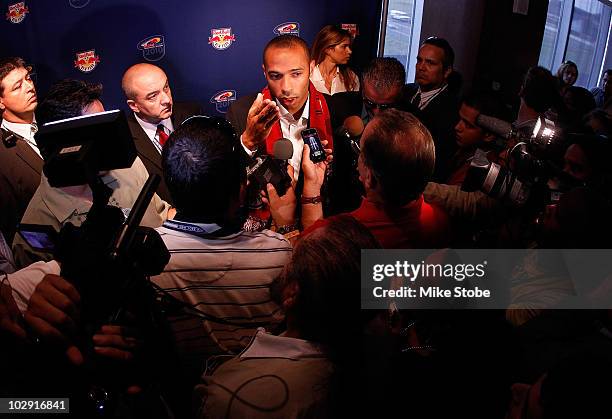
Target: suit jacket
<point>147,151</point>
<point>20,171</point>
<point>440,117</point>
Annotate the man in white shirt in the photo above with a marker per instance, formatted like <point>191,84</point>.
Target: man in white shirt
<point>20,160</point>
<point>288,105</point>
<point>155,115</point>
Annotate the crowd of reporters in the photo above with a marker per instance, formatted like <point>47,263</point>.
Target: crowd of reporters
<point>256,313</point>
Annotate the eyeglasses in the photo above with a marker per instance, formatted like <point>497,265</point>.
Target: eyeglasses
<point>373,105</point>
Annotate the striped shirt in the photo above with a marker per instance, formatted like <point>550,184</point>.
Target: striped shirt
<point>227,277</point>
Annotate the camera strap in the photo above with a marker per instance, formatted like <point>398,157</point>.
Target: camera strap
<point>202,230</point>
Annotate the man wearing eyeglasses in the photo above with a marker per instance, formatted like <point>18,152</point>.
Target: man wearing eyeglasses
<point>383,84</point>
<point>20,160</point>
<point>382,87</point>
<point>436,100</point>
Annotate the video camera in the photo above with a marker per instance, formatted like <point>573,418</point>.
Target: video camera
<point>108,258</point>
<point>530,164</point>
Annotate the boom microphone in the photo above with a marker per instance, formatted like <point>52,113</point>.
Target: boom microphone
<point>499,127</point>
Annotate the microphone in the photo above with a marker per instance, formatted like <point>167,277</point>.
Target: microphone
<point>283,149</point>
<point>499,127</point>
<point>352,127</point>
<point>272,169</point>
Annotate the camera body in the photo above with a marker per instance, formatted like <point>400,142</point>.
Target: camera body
<point>529,167</point>
<point>268,170</point>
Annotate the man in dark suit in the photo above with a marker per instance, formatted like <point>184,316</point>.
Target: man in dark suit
<point>155,115</point>
<point>437,102</point>
<point>20,160</point>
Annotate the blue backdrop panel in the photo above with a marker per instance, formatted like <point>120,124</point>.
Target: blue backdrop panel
<point>53,32</point>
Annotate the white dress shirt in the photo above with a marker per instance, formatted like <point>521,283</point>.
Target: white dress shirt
<point>151,130</point>
<point>427,97</point>
<point>27,131</point>
<point>291,130</point>
<point>337,85</point>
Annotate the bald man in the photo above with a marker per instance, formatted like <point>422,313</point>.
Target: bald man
<point>155,115</point>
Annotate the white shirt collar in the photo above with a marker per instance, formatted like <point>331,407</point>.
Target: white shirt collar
<point>316,74</point>
<point>288,117</point>
<point>338,84</point>
<point>151,129</point>
<point>24,130</point>
<point>265,345</point>
<point>427,97</point>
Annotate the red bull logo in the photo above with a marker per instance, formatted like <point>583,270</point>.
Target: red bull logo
<point>351,28</point>
<point>153,48</point>
<point>223,99</point>
<point>221,38</point>
<point>287,28</point>
<point>17,12</point>
<point>86,61</point>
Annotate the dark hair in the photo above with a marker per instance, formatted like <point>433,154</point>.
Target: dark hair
<point>603,118</point>
<point>486,103</point>
<point>286,41</point>
<point>597,150</point>
<point>329,37</point>
<point>384,73</point>
<point>327,289</point>
<point>327,305</point>
<point>202,169</point>
<point>562,68</point>
<point>449,54</point>
<point>579,101</point>
<point>539,89</point>
<point>66,99</point>
<point>400,152</point>
<point>9,64</point>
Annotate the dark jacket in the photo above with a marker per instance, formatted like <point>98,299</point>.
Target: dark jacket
<point>20,172</point>
<point>440,117</point>
<point>147,151</point>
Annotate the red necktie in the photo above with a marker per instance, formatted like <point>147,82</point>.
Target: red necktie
<point>162,137</point>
